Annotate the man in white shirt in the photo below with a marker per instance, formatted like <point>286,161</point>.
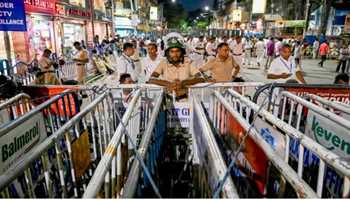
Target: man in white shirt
<point>237,50</point>
<point>260,51</point>
<point>283,68</point>
<point>125,63</point>
<point>151,61</point>
<point>278,46</point>
<point>197,56</point>
<point>211,49</point>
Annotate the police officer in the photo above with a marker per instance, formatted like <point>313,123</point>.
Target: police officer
<point>175,72</point>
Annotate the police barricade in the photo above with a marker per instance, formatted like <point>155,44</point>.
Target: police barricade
<point>15,107</point>
<point>261,168</point>
<point>333,106</point>
<point>143,117</point>
<point>208,172</point>
<point>330,129</point>
<point>67,71</point>
<point>19,72</point>
<point>320,170</point>
<point>24,134</point>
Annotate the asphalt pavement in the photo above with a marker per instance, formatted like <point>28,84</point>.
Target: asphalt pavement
<point>313,74</point>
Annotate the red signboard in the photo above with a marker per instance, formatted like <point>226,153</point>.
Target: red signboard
<point>77,12</point>
<point>40,6</point>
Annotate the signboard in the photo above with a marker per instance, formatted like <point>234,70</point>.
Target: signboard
<point>237,15</point>
<point>12,15</point>
<point>259,6</point>
<point>347,24</point>
<point>269,17</point>
<point>271,135</point>
<point>328,133</point>
<point>20,140</point>
<point>40,6</point>
<point>179,114</point>
<point>253,158</point>
<point>77,12</point>
<point>153,13</point>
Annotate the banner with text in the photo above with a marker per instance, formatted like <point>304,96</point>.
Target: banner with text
<point>12,15</point>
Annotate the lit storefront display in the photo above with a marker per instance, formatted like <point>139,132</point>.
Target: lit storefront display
<point>71,34</point>
<point>39,35</point>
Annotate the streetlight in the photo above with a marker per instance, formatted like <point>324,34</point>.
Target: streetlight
<point>206,8</point>
<point>174,1</point>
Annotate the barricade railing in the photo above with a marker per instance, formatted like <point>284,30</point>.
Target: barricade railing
<point>296,148</point>
<point>139,119</point>
<point>334,106</point>
<point>58,166</point>
<point>31,129</point>
<point>15,107</point>
<point>67,71</point>
<point>207,160</point>
<point>251,152</point>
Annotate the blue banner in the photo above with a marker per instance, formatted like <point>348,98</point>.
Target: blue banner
<point>12,15</point>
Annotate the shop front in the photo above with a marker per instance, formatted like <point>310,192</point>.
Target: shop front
<point>40,31</point>
<point>71,26</point>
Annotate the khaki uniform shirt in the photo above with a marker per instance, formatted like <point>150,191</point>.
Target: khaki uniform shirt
<point>170,73</point>
<point>221,70</point>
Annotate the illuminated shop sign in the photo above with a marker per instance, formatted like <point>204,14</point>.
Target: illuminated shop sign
<point>40,6</point>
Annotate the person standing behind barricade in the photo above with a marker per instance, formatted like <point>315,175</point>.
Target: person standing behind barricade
<point>211,49</point>
<point>48,74</point>
<point>80,58</point>
<point>284,68</point>
<point>125,63</point>
<point>260,51</point>
<point>270,52</point>
<point>223,68</point>
<point>151,61</point>
<point>278,47</point>
<point>198,53</point>
<point>315,48</point>
<point>323,51</point>
<point>247,52</point>
<point>237,48</point>
<point>175,72</point>
<point>297,52</point>
<point>343,57</point>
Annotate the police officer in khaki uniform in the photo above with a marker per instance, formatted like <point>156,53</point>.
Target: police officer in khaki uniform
<point>175,72</point>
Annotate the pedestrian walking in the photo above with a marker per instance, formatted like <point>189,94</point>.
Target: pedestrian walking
<point>297,52</point>
<point>323,51</point>
<point>343,57</point>
<point>315,48</point>
<point>270,50</point>
<point>237,48</point>
<point>260,51</point>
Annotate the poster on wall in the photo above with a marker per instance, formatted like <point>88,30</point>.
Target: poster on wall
<point>12,15</point>
<point>39,35</point>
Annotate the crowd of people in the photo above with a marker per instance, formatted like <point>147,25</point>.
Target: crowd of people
<point>176,58</point>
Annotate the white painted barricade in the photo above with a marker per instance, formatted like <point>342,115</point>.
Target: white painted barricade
<point>314,163</point>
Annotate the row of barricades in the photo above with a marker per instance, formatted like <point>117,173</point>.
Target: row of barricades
<point>109,142</point>
<point>67,71</point>
<point>68,147</point>
<point>283,146</point>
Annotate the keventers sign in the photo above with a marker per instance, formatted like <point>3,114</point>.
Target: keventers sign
<point>328,133</point>
<point>12,15</point>
<point>20,140</point>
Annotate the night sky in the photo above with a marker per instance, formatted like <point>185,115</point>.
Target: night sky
<point>195,4</point>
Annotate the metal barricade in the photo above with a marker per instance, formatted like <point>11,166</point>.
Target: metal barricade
<point>24,134</point>
<point>296,149</point>
<point>67,71</point>
<point>262,161</point>
<point>14,107</point>
<point>59,165</point>
<point>139,118</point>
<point>207,173</point>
